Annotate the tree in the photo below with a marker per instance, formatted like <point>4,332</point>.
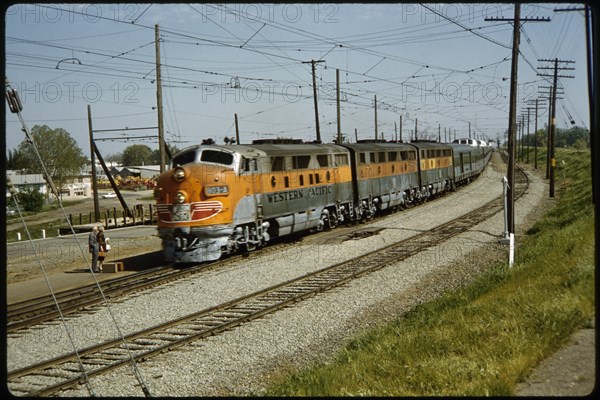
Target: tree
<point>137,154</point>
<point>16,160</point>
<point>114,158</point>
<point>31,200</point>
<point>156,153</point>
<point>59,152</point>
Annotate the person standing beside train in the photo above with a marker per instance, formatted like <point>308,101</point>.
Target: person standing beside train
<point>101,247</point>
<point>94,247</point>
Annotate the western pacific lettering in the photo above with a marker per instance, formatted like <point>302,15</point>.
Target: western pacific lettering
<point>299,194</point>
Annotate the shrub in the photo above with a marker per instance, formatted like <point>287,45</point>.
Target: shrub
<point>31,200</point>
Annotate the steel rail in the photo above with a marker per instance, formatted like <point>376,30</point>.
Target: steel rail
<point>155,340</point>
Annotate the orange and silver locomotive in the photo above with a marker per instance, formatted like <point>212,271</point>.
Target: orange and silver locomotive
<point>219,200</point>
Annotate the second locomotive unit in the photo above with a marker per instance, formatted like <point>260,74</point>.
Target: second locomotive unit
<point>223,199</point>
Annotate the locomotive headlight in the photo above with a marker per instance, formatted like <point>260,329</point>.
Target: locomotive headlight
<point>180,197</point>
<point>179,174</point>
<point>221,190</point>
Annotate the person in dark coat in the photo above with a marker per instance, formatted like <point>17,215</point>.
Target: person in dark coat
<point>94,247</point>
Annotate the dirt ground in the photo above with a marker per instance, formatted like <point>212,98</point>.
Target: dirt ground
<point>569,372</point>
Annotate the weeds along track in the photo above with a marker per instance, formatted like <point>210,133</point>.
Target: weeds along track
<point>53,375</point>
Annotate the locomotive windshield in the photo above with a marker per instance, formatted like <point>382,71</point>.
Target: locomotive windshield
<point>184,158</point>
<point>217,157</point>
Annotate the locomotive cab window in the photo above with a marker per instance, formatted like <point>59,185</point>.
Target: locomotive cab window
<point>392,156</point>
<point>185,158</point>
<point>363,158</point>
<point>381,156</point>
<point>217,157</point>
<point>248,165</point>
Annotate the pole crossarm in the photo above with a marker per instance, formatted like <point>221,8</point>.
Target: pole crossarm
<point>536,19</point>
<point>126,138</point>
<point>125,129</point>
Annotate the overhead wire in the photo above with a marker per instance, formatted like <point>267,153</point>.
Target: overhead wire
<point>332,44</point>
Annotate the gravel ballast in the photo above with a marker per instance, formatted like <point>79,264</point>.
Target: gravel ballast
<point>238,361</point>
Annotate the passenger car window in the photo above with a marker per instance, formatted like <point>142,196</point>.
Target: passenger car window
<point>300,162</point>
<point>277,164</point>
<point>323,160</point>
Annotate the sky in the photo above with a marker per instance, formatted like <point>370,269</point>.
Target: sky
<point>442,68</point>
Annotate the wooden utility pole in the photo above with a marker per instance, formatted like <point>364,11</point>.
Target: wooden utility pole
<point>339,118</point>
<point>439,133</point>
<point>93,159</point>
<point>526,138</point>
<point>535,135</point>
<point>552,126</point>
<point>375,117</point>
<point>512,113</point>
<point>159,107</point>
<point>314,79</point>
<point>416,129</point>
<point>522,130</point>
<point>512,120</point>
<point>528,112</point>
<point>237,129</point>
<point>400,129</point>
<point>356,135</point>
<point>548,133</point>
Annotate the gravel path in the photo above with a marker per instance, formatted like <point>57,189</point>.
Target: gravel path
<point>237,362</point>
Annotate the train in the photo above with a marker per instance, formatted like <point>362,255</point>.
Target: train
<point>224,199</point>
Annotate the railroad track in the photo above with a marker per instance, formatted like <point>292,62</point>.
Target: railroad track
<point>51,376</point>
<point>26,314</point>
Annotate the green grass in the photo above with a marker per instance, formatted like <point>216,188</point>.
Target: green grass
<point>484,338</point>
<point>35,230</point>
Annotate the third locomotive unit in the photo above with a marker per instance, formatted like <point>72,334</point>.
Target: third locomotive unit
<point>219,200</point>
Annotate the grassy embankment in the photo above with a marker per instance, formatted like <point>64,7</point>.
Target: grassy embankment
<point>483,339</point>
<point>34,227</point>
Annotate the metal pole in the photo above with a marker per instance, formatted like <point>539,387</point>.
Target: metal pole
<point>93,159</point>
<point>339,118</point>
<point>504,193</point>
<point>237,129</point>
<point>159,108</point>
